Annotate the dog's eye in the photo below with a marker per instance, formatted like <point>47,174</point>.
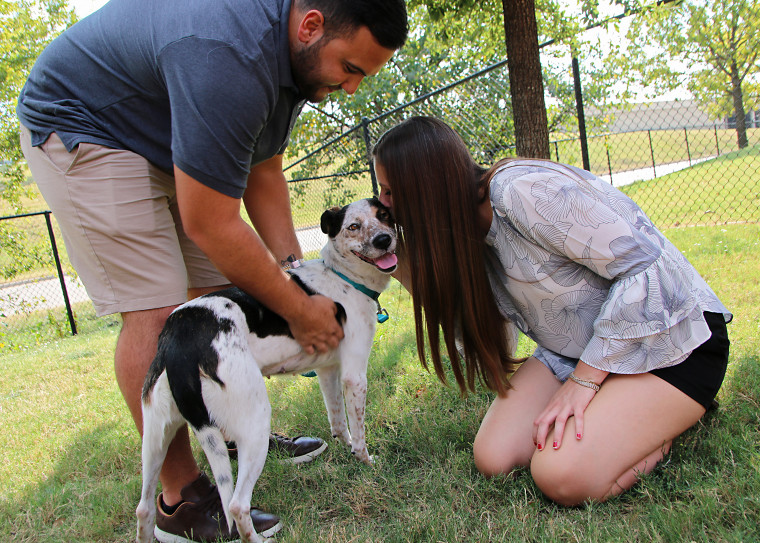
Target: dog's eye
<point>353,226</point>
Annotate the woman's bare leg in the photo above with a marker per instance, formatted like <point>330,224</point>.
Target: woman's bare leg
<point>505,438</point>
<point>629,427</point>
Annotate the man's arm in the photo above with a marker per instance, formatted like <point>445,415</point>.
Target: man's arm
<point>267,202</point>
<point>212,220</point>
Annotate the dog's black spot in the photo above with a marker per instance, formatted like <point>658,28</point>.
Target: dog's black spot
<point>154,372</point>
<point>340,315</point>
<point>260,320</point>
<point>308,290</point>
<point>211,441</point>
<point>185,348</point>
<point>382,213</point>
<point>185,352</point>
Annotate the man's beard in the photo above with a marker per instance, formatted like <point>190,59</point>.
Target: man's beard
<point>304,66</point>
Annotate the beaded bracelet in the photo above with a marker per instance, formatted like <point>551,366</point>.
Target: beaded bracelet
<point>588,384</point>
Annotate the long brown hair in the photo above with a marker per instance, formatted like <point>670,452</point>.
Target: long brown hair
<point>436,188</point>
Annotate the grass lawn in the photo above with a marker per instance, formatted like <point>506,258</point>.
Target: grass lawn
<point>726,189</point>
<point>70,466</point>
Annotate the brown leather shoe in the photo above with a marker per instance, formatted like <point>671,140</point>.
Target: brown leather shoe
<point>200,518</point>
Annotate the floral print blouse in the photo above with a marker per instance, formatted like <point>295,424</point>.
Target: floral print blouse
<point>579,268</point>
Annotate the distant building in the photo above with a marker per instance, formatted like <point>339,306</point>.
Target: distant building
<point>660,116</point>
<point>751,120</point>
<point>670,115</point>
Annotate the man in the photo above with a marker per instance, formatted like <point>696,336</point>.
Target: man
<point>145,125</point>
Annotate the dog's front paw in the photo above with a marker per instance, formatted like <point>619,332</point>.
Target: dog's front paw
<point>345,437</point>
<point>364,456</point>
<point>146,520</point>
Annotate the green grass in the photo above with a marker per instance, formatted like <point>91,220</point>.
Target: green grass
<point>70,466</point>
<point>632,150</point>
<point>323,193</point>
<point>726,189</point>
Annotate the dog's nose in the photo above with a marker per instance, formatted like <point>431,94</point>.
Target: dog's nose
<point>383,241</point>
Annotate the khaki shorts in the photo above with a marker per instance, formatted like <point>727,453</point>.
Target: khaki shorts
<point>121,226</point>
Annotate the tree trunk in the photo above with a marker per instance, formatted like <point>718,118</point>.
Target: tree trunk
<point>525,79</point>
<point>739,114</point>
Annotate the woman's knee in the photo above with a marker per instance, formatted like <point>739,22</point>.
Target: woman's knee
<point>492,461</point>
<point>565,482</point>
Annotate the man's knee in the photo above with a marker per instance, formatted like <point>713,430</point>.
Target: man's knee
<point>138,337</point>
<point>141,322</point>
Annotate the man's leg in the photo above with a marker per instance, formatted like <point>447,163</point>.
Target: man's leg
<point>135,351</point>
<point>112,207</point>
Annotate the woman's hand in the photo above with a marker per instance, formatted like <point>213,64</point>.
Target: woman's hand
<point>571,400</point>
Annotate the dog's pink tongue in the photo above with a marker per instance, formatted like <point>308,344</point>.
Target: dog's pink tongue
<point>386,261</point>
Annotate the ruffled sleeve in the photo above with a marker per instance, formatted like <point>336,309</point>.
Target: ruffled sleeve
<point>650,320</point>
<point>595,280</point>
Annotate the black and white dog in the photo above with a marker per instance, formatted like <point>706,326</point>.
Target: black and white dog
<point>215,351</point>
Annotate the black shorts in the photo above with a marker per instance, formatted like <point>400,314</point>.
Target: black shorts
<point>702,373</point>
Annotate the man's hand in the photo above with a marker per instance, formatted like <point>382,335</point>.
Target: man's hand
<point>316,328</point>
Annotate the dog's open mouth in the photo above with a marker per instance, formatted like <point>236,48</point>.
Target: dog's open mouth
<point>386,263</point>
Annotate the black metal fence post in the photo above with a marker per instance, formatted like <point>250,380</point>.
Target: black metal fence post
<point>688,149</point>
<point>59,269</point>
<point>609,162</point>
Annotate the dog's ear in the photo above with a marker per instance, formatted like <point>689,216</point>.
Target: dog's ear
<point>332,220</point>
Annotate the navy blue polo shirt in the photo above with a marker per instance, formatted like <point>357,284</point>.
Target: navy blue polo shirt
<point>203,84</point>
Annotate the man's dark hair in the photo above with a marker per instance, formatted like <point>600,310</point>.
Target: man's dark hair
<point>385,19</point>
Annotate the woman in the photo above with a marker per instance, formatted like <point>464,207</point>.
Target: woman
<point>631,342</point>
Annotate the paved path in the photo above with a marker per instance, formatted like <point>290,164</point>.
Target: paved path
<point>311,239</point>
<point>44,293</point>
<point>620,179</point>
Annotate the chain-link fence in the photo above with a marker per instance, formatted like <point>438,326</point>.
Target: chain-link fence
<point>37,296</point>
<point>682,166</point>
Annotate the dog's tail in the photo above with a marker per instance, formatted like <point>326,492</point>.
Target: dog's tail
<point>212,441</point>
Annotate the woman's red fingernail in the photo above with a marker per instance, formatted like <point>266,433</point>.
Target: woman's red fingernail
<point>578,436</point>
<point>555,445</point>
<point>540,447</point>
